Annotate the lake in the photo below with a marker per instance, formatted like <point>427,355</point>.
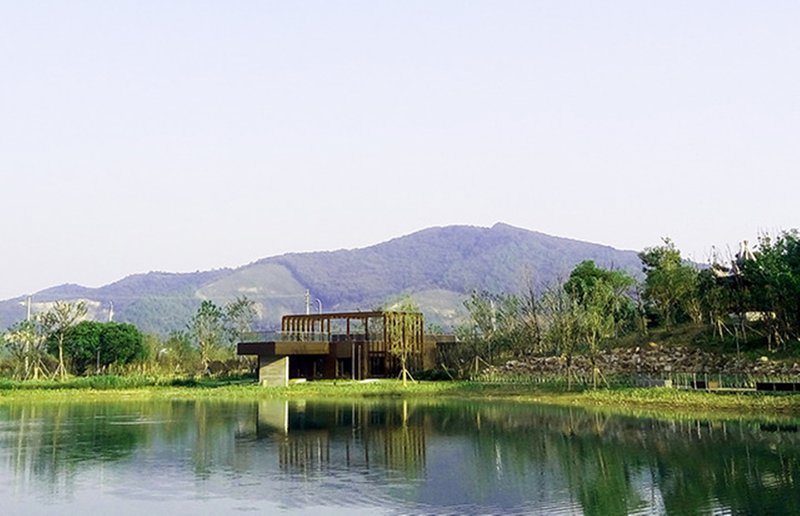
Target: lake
<point>367,457</point>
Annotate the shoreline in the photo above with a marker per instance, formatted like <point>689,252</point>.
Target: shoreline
<point>637,402</point>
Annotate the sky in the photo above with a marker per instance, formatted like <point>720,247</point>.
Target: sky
<point>192,135</point>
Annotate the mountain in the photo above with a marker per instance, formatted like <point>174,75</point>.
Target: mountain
<point>438,267</point>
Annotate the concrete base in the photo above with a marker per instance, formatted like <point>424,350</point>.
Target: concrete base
<point>273,416</point>
<point>273,371</point>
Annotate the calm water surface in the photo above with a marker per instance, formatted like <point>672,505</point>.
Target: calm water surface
<point>210,457</point>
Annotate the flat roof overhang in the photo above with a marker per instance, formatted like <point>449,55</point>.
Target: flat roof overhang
<point>283,348</point>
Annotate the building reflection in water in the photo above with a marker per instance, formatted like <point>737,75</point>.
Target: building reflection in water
<point>319,436</point>
<point>429,456</point>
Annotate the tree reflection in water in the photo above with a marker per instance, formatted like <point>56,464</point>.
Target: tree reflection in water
<point>398,455</point>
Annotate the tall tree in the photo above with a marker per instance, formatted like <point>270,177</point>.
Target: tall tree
<point>94,344</point>
<point>121,343</point>
<point>82,346</point>
<point>178,349</point>
<point>401,320</point>
<point>611,290</point>
<point>207,328</point>
<point>773,277</point>
<point>602,305</point>
<point>670,284</point>
<point>238,317</point>
<point>718,296</point>
<point>559,312</point>
<point>58,321</point>
<point>503,324</point>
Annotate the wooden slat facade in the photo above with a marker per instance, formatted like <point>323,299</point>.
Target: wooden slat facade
<point>356,345</point>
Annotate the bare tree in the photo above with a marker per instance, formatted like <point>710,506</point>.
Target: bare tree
<point>26,343</point>
<point>58,321</point>
<point>238,317</point>
<point>403,324</point>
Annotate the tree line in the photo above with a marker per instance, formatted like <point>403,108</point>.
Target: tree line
<point>60,342</point>
<point>752,300</point>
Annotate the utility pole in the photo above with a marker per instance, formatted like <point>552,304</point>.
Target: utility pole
<point>308,302</point>
<point>494,315</point>
<point>494,328</point>
<point>27,339</point>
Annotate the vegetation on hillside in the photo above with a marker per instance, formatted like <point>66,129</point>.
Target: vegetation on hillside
<point>438,266</point>
<point>455,258</point>
<point>748,306</point>
<point>751,305</point>
<point>61,343</point>
<point>156,302</point>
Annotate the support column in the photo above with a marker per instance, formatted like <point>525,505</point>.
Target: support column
<point>329,365</point>
<point>273,371</point>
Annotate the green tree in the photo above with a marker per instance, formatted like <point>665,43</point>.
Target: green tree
<point>773,278</point>
<point>560,314</point>
<point>82,345</point>
<point>207,329</point>
<point>716,297</point>
<point>214,328</point>
<point>180,353</point>
<point>609,290</point>
<point>670,285</point>
<point>602,306</point>
<point>92,344</point>
<point>153,351</point>
<point>121,344</point>
<point>595,321</point>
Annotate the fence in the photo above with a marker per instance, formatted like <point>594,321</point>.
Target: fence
<point>284,336</point>
<point>699,381</point>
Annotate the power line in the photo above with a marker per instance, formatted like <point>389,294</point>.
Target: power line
<point>170,297</point>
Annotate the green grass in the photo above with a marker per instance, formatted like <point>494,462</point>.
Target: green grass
<point>654,401</point>
<point>703,337</point>
<point>116,382</point>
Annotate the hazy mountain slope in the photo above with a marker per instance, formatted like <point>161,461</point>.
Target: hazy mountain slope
<point>153,301</point>
<point>455,258</point>
<point>271,286</point>
<point>438,266</point>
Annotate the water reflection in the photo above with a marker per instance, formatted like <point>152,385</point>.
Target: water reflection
<point>314,436</point>
<point>396,456</point>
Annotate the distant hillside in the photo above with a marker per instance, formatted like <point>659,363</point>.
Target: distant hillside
<point>156,302</point>
<point>437,266</point>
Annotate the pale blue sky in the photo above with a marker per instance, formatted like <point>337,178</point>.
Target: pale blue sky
<point>178,136</point>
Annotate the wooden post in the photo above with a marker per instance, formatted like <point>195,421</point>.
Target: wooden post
<point>386,346</point>
<point>365,350</point>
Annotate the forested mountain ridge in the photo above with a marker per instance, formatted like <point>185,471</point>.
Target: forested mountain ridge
<point>453,258</point>
<point>437,266</point>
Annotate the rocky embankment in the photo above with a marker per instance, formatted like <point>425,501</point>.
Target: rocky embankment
<point>653,361</point>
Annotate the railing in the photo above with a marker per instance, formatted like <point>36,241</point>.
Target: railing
<point>284,336</point>
<point>355,337</point>
<point>687,381</point>
<point>303,336</point>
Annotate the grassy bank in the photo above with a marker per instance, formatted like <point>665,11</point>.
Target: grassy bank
<point>112,388</point>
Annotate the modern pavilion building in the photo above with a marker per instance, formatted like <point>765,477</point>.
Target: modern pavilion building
<point>354,345</point>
